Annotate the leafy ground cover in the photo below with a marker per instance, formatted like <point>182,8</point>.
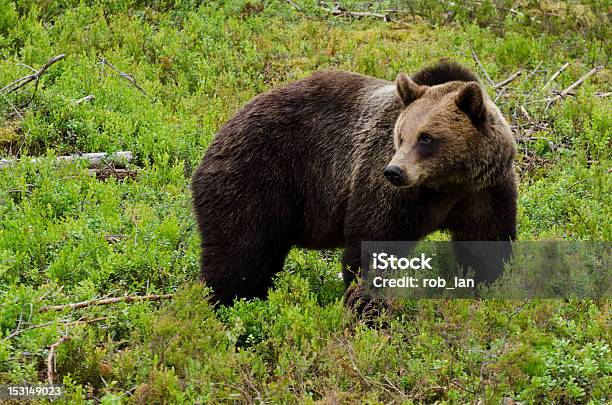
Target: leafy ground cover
<point>67,237</point>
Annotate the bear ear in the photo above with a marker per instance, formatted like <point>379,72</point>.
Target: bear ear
<point>407,89</point>
<point>471,101</point>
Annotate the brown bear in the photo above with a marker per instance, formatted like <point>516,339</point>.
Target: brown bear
<point>338,158</point>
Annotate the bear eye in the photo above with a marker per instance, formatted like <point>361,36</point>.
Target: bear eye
<point>425,139</point>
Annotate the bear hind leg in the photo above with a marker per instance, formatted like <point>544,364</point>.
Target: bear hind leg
<point>241,271</point>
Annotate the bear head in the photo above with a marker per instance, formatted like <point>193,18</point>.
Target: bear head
<point>449,136</point>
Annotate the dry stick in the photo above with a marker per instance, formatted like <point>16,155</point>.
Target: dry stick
<point>126,76</point>
<point>554,76</point>
<point>18,332</point>
<point>475,57</point>
<point>508,80</point>
<point>27,67</point>
<point>568,90</point>
<point>526,115</point>
<point>399,22</point>
<point>532,72</point>
<point>359,14</point>
<point>120,174</point>
<point>100,159</point>
<point>106,301</point>
<point>603,94</point>
<point>86,98</point>
<point>51,358</point>
<point>43,325</point>
<point>94,160</point>
<point>51,355</point>
<point>338,12</point>
<point>13,106</point>
<point>19,83</point>
<point>512,315</point>
<point>578,82</point>
<point>298,8</point>
<point>461,387</point>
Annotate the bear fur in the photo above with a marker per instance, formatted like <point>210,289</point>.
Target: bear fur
<point>305,165</point>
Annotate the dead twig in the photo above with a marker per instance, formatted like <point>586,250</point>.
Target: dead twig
<point>555,75</point>
<point>578,82</point>
<point>51,358</point>
<point>120,174</point>
<point>94,160</point>
<point>603,94</point>
<point>106,301</point>
<point>508,80</point>
<point>512,315</point>
<point>17,330</point>
<point>461,387</point>
<point>12,106</point>
<point>338,11</point>
<point>64,321</point>
<point>360,14</point>
<point>569,90</point>
<point>126,76</point>
<point>484,71</point>
<point>19,83</point>
<point>526,115</point>
<point>86,98</point>
<point>533,72</point>
<point>295,6</point>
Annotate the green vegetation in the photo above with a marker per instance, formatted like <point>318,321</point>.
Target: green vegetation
<point>66,236</point>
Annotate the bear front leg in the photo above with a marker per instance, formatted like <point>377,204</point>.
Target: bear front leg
<point>487,215</point>
<point>355,297</point>
<point>351,266</point>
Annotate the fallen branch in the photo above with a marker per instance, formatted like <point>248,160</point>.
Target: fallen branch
<point>555,75</point>
<point>475,57</point>
<point>112,239</point>
<point>568,90</point>
<point>359,14</point>
<point>106,172</point>
<point>508,80</point>
<point>12,106</point>
<point>51,358</point>
<point>126,76</point>
<point>533,72</point>
<point>603,94</point>
<point>578,82</point>
<point>94,160</point>
<point>100,159</point>
<point>337,11</point>
<point>106,301</point>
<point>43,325</point>
<point>82,100</point>
<point>19,83</point>
<point>291,3</point>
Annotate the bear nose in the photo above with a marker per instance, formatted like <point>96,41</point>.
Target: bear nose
<point>394,174</point>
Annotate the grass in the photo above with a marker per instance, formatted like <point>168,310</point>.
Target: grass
<point>67,237</point>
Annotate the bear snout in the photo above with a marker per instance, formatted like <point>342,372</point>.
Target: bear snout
<point>395,174</point>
